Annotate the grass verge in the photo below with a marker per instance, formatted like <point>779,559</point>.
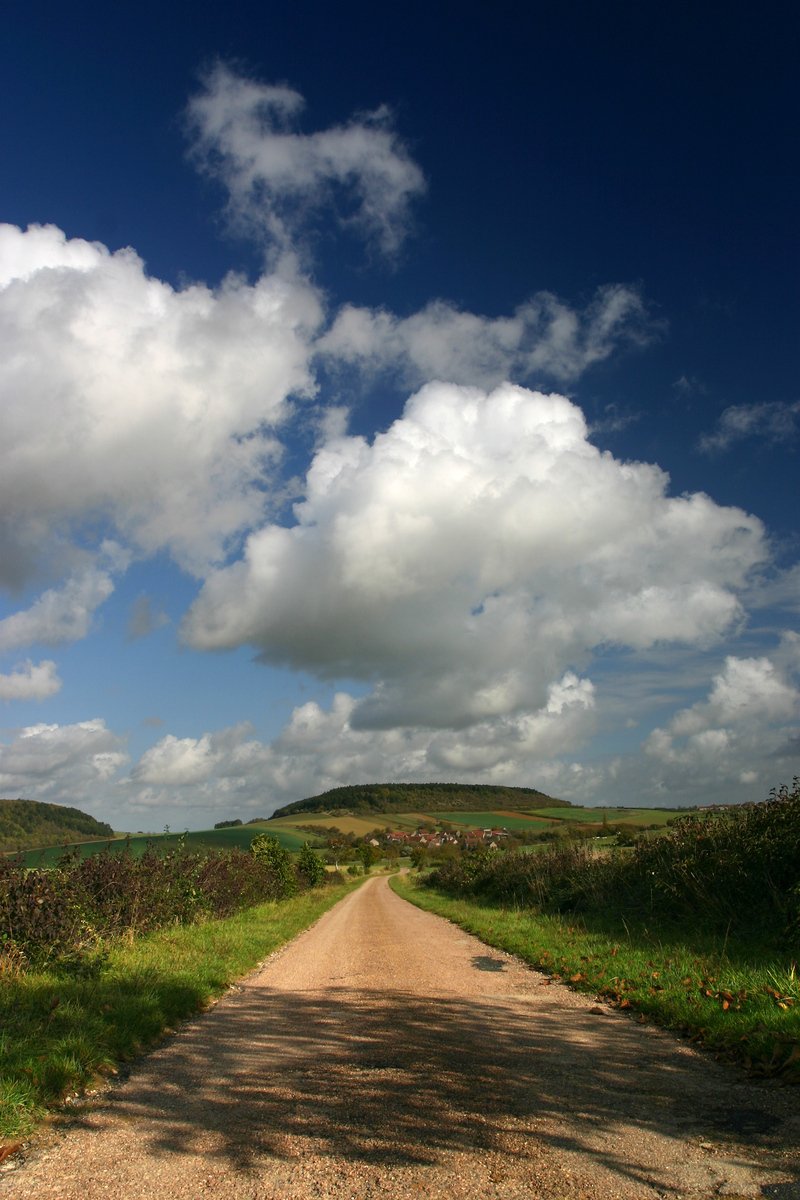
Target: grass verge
<point>61,1029</point>
<point>741,1000</point>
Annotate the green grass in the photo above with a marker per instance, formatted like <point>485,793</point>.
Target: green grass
<point>740,999</point>
<point>61,1030</point>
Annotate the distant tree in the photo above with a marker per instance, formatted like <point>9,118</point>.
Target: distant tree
<point>419,856</point>
<point>368,856</point>
<point>227,824</point>
<point>392,854</point>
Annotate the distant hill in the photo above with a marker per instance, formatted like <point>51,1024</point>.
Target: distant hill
<point>377,798</point>
<point>28,824</point>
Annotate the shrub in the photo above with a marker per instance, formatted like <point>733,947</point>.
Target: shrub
<point>737,861</point>
<point>368,856</point>
<point>735,869</point>
<point>65,914</point>
<point>267,850</point>
<point>310,867</point>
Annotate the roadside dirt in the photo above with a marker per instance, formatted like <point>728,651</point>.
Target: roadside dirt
<point>385,1053</point>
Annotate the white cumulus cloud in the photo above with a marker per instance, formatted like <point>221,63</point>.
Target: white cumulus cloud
<point>30,681</point>
<point>470,556</point>
<point>166,402</point>
<point>177,761</point>
<point>63,763</point>
<point>60,614</point>
<point>750,714</point>
<point>749,691</point>
<point>230,772</point>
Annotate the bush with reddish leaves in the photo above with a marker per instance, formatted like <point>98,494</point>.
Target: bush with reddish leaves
<point>67,913</point>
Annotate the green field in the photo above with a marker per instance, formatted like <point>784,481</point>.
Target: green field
<point>536,820</point>
<point>615,816</point>
<point>494,820</point>
<point>239,836</point>
<point>359,825</point>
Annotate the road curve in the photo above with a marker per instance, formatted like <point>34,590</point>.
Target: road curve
<point>385,1053</point>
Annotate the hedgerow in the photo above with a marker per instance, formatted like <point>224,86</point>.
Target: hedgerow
<point>68,913</point>
<point>735,869</point>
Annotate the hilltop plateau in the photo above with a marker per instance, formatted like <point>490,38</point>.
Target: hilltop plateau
<point>376,798</point>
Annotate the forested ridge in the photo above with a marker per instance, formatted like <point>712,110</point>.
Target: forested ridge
<point>425,797</point>
<point>28,824</point>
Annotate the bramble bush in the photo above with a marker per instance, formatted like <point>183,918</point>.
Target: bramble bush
<point>67,913</point>
<point>744,859</point>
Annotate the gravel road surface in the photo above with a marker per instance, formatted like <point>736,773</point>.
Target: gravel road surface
<point>384,1053</point>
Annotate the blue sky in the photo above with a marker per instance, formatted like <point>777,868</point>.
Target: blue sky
<point>403,395</point>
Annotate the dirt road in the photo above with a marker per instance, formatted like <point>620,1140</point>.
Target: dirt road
<point>384,1053</point>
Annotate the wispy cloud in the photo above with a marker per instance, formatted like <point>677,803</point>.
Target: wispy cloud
<point>543,338</point>
<point>245,134</point>
<point>144,619</point>
<point>614,420</point>
<point>770,422</point>
<point>689,385</point>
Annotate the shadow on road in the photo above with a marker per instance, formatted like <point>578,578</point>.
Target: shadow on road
<point>388,1077</point>
<point>485,962</point>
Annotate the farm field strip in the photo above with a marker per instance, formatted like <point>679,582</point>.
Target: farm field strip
<point>531,818</point>
<point>360,826</point>
<point>409,820</point>
<point>493,820</point>
<point>615,816</point>
<point>240,836</point>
